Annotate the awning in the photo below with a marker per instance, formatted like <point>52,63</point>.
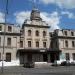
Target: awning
<point>39,50</point>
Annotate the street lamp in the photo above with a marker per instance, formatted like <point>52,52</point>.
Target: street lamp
<point>6,12</point>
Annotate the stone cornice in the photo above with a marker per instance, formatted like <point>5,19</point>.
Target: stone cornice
<point>11,34</point>
<point>69,48</point>
<point>64,37</point>
<point>38,26</point>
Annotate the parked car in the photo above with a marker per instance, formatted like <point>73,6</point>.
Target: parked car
<point>28,65</point>
<point>65,63</point>
<point>72,63</point>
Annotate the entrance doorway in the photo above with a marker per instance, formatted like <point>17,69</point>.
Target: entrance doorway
<point>29,57</point>
<point>21,58</point>
<point>45,58</point>
<point>54,56</point>
<point>25,58</point>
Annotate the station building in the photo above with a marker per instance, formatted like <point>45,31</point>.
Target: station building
<point>34,43</point>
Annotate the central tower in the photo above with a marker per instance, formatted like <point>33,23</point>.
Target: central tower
<point>35,39</point>
<point>35,14</point>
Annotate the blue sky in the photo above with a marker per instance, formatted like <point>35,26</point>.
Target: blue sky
<point>57,13</point>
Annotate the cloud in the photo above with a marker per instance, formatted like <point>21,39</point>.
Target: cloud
<point>61,3</point>
<point>21,16</point>
<point>1,17</point>
<point>52,19</point>
<point>69,14</point>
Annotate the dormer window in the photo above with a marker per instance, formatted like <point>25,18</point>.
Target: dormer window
<point>9,28</point>
<point>65,32</point>
<point>72,33</point>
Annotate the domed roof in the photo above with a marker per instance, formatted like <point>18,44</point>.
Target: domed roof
<point>35,14</point>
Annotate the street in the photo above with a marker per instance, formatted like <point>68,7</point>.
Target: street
<point>67,70</point>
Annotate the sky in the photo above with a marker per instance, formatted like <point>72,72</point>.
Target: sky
<point>59,14</point>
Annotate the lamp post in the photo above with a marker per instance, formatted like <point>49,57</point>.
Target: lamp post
<point>6,12</point>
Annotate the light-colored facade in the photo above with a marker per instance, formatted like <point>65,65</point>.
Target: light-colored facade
<point>35,39</point>
<point>34,43</point>
<point>11,44</point>
<point>65,41</point>
<point>27,44</point>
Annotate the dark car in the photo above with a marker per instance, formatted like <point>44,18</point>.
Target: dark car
<point>65,63</point>
<point>28,65</point>
<point>72,63</point>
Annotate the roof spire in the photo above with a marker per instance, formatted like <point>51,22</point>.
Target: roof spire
<point>35,14</point>
<point>34,6</point>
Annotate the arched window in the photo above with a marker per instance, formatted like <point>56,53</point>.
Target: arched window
<point>44,33</point>
<point>29,32</point>
<point>37,33</point>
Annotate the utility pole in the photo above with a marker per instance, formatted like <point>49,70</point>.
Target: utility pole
<point>6,12</point>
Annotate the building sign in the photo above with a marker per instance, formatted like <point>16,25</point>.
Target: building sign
<point>42,50</point>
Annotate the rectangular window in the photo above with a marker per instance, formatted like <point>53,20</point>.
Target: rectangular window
<point>0,56</point>
<point>9,28</point>
<point>66,43</point>
<point>21,43</point>
<point>29,43</point>
<point>0,41</point>
<point>8,41</point>
<point>37,44</point>
<point>73,43</point>
<point>56,44</point>
<point>67,56</point>
<point>0,28</point>
<point>73,56</point>
<point>29,32</point>
<point>44,44</point>
<point>8,57</point>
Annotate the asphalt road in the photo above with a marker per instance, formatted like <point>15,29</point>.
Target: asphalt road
<point>69,70</point>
